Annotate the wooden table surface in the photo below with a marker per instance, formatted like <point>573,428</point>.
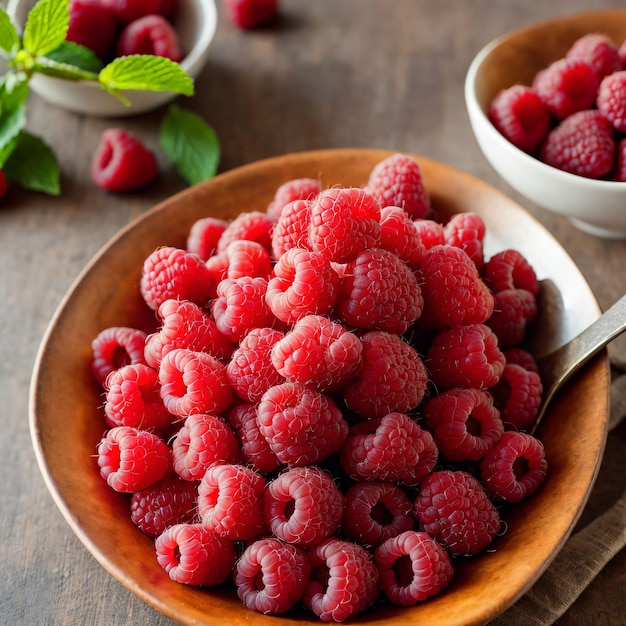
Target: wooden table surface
<point>354,73</point>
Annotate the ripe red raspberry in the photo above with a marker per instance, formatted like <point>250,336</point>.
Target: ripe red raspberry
<point>518,113</point>
<point>122,162</point>
<point>167,502</point>
<point>343,583</point>
<point>343,223</point>
<point>193,382</point>
<point>3,184</point>
<point>515,467</point>
<point>204,235</point>
<point>230,501</point>
<point>250,370</point>
<point>518,396</point>
<point>399,234</point>
<point>303,506</point>
<point>612,99</point>
<point>397,181</point>
<point>174,273</point>
<point>116,347</point>
<point>304,283</point>
<point>193,555</point>
<point>430,232</point>
<point>599,51</point>
<point>292,228</point>
<point>464,423</point>
<point>453,291</point>
<point>465,356</point>
<point>520,356</point>
<point>412,567</point>
<point>249,14</point>
<point>249,226</point>
<point>271,575</point>
<point>132,459</point>
<point>203,440</point>
<point>151,34</point>
<point>581,144</point>
<point>379,292</point>
<point>247,258</point>
<point>92,26</point>
<point>292,190</point>
<point>509,269</point>
<point>391,448</point>
<point>319,353</point>
<point>301,425</point>
<point>620,165</point>
<point>566,86</point>
<point>126,11</point>
<point>514,310</point>
<point>392,377</point>
<point>467,231</point>
<point>456,511</point>
<point>376,511</point>
<point>133,399</point>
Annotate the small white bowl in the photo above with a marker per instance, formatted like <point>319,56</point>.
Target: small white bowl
<point>195,23</point>
<point>595,206</point>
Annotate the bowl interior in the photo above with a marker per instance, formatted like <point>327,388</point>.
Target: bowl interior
<point>66,419</point>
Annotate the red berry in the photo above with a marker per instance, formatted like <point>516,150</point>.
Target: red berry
<point>204,235</point>
<point>612,99</point>
<point>92,26</point>
<point>467,231</point>
<point>115,347</point>
<point>246,258</point>
<point>509,269</point>
<point>620,165</point>
<point>3,184</point>
<point>121,162</point>
<point>126,11</point>
<point>292,228</point>
<point>151,34</point>
<point>292,190</point>
<point>430,232</point>
<point>248,14</point>
<point>399,234</point>
<point>518,396</point>
<point>599,51</point>
<point>514,310</point>
<point>250,226</point>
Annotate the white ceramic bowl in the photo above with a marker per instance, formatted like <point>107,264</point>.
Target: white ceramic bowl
<point>595,206</point>
<point>195,23</point>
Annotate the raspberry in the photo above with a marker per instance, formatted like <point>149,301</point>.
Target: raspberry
<point>514,310</point>
<point>151,34</point>
<point>465,356</point>
<point>203,440</point>
<point>115,347</point>
<point>430,233</point>
<point>464,423</point>
<point>185,325</point>
<point>453,291</point>
<point>456,511</point>
<point>122,162</point>
<point>379,292</point>
<point>167,502</point>
<point>230,501</point>
<point>193,382</point>
<point>250,370</point>
<point>599,51</point>
<point>247,258</point>
<point>174,273</point>
<point>581,144</point>
<point>376,511</point>
<point>126,11</point>
<point>3,184</point>
<point>131,459</point>
<point>467,231</point>
<point>611,99</point>
<point>249,14</point>
<point>621,52</point>
<point>343,583</point>
<point>412,567</point>
<point>193,555</point>
<point>249,226</point>
<point>132,399</point>
<point>518,396</point>
<point>292,228</point>
<point>271,576</point>
<point>515,467</point>
<point>303,506</point>
<point>620,165</point>
<point>399,234</point>
<point>92,26</point>
<point>292,190</point>
<point>397,181</point>
<point>304,283</point>
<point>518,113</point>
<point>390,448</point>
<point>204,235</point>
<point>301,425</point>
<point>566,86</point>
<point>392,377</point>
<point>509,269</point>
<point>319,353</point>
<point>343,223</point>
<point>519,356</point>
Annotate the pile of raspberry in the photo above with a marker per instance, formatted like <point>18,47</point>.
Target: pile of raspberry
<point>573,115</point>
<point>333,406</point>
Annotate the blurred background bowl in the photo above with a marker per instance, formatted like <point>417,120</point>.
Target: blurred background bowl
<point>595,206</point>
<point>195,23</point>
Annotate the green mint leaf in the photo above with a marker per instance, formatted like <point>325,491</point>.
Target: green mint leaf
<point>14,86</point>
<point>190,144</point>
<point>9,39</point>
<point>12,121</point>
<point>146,73</point>
<point>45,65</point>
<point>70,53</point>
<point>6,151</point>
<point>32,165</point>
<point>46,26</point>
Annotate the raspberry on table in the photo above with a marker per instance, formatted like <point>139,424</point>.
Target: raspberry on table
<point>611,99</point>
<point>518,395</point>
<point>467,231</point>
<point>193,555</point>
<point>343,582</point>
<point>515,467</point>
<point>246,258</point>
<point>514,310</point>
<point>292,228</point>
<point>204,235</point>
<point>115,347</point>
<point>291,191</point>
<point>412,567</point>
<point>150,34</point>
<point>271,575</point>
<point>93,26</point>
<point>509,269</point>
<point>249,14</point>
<point>399,234</point>
<point>249,226</point>
<point>391,448</point>
<point>230,501</point>
<point>303,505</point>
<point>456,511</point>
<point>599,51</point>
<point>398,181</point>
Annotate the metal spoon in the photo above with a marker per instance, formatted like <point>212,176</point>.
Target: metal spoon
<point>557,366</point>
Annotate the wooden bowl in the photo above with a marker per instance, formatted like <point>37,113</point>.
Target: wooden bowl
<point>67,422</point>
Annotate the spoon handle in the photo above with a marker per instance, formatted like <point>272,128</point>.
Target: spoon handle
<point>555,368</point>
